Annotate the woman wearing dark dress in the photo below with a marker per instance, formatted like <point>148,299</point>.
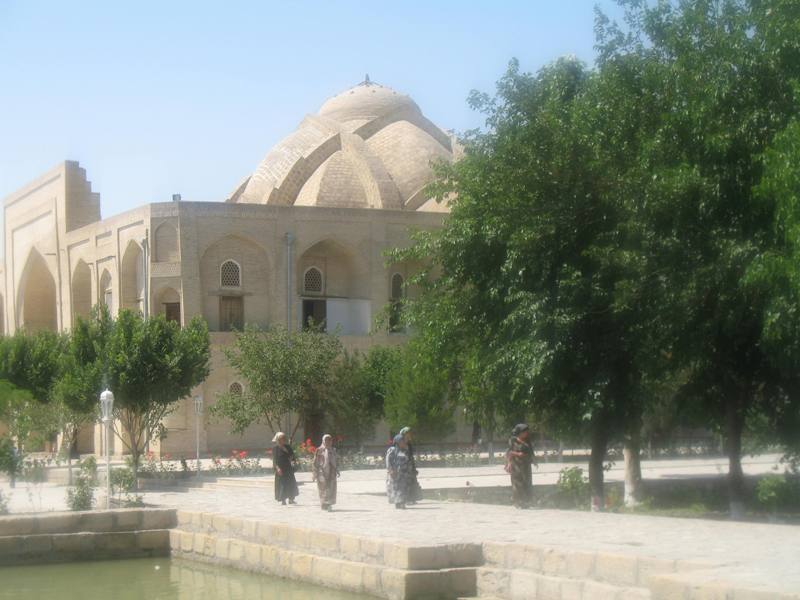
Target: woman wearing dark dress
<point>519,460</point>
<point>283,461</point>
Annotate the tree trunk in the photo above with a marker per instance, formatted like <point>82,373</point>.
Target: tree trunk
<point>596,460</point>
<point>734,425</point>
<point>633,469</point>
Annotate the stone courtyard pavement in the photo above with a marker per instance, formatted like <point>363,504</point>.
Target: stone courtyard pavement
<point>747,555</point>
<point>762,556</point>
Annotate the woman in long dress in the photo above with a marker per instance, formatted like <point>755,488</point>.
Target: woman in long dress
<point>325,472</point>
<point>519,460</point>
<point>415,489</point>
<point>399,474</point>
<point>283,461</point>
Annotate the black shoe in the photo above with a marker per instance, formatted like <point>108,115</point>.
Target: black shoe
<point>291,501</point>
<point>283,502</point>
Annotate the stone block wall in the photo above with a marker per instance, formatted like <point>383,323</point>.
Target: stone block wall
<point>90,535</point>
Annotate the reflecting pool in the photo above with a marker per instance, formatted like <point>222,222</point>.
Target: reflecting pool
<point>152,579</point>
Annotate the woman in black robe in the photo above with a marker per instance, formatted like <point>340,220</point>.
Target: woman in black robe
<point>283,461</point>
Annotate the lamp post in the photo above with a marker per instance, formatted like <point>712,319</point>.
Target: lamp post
<point>106,410</point>
<point>198,411</point>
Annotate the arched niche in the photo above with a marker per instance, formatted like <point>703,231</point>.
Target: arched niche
<point>37,295</point>
<point>166,243</point>
<point>333,282</point>
<point>131,278</point>
<point>82,290</point>
<point>344,273</point>
<point>168,303</point>
<point>228,307</point>
<point>106,291</point>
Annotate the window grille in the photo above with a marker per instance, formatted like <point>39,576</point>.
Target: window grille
<point>230,275</point>
<point>236,389</point>
<point>312,281</point>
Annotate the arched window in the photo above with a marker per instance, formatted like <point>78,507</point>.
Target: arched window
<point>312,281</point>
<point>235,389</point>
<point>397,286</point>
<point>230,274</point>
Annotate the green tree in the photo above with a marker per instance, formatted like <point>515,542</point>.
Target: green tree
<point>419,393</point>
<point>724,75</point>
<point>81,375</point>
<point>285,373</point>
<point>358,390</point>
<point>29,367</point>
<point>150,365</point>
<point>543,286</point>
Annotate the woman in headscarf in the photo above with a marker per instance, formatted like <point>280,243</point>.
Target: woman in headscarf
<point>519,459</point>
<point>283,461</point>
<point>398,472</point>
<point>325,472</point>
<point>415,489</point>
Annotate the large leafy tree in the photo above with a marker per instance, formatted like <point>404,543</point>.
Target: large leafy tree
<point>542,289</point>
<point>724,73</point>
<point>150,365</point>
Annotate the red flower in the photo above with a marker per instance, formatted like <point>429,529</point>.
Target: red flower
<point>243,454</point>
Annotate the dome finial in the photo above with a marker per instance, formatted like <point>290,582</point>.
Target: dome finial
<point>367,81</point>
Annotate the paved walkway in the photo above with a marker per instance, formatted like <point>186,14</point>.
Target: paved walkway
<point>756,553</point>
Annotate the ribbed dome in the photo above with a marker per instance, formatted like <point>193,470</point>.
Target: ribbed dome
<point>368,147</point>
<point>365,101</point>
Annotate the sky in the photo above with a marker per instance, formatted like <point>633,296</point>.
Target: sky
<point>155,98</point>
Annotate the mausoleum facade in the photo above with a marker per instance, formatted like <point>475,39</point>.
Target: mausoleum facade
<point>303,236</point>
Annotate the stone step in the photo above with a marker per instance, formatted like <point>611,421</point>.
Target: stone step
<point>523,585</point>
<point>391,553</point>
<point>620,570</point>
<point>374,579</point>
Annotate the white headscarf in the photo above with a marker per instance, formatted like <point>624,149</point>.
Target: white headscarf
<point>330,457</point>
<point>278,436</point>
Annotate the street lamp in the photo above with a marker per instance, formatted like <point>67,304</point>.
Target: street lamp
<point>198,411</point>
<point>106,411</point>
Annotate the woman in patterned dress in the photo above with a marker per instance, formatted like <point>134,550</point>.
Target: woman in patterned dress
<point>399,473</point>
<point>325,472</point>
<point>519,460</point>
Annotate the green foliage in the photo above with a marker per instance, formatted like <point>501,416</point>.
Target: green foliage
<point>3,504</point>
<point>357,392</point>
<point>88,467</point>
<point>10,463</point>
<point>572,488</point>
<point>776,492</point>
<point>418,394</point>
<point>81,495</point>
<point>150,365</point>
<point>285,372</point>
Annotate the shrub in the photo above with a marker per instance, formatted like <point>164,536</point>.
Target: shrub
<point>3,504</point>
<point>81,496</point>
<point>10,464</point>
<point>778,491</point>
<point>572,488</point>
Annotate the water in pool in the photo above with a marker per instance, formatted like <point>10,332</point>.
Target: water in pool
<point>152,579</point>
